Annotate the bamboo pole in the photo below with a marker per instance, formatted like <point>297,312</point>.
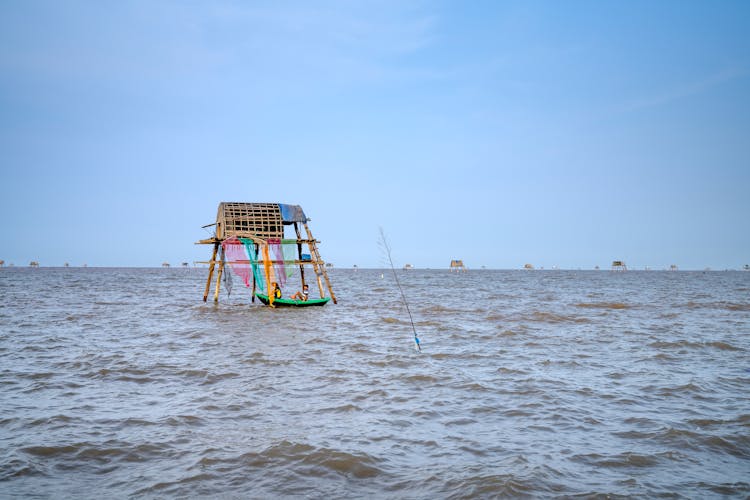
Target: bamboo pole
<point>267,269</point>
<point>252,269</point>
<point>316,265</point>
<point>319,265</point>
<point>218,276</point>
<point>299,255</point>
<point>210,272</point>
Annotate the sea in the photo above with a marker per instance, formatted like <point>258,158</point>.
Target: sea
<point>123,383</point>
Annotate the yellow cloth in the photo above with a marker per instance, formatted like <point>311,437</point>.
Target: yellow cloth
<point>267,269</point>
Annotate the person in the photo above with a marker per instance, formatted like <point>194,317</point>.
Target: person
<point>303,295</point>
<point>276,290</point>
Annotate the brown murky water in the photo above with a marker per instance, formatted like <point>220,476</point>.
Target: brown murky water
<point>122,382</point>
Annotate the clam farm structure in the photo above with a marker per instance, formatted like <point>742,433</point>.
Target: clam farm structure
<point>264,245</point>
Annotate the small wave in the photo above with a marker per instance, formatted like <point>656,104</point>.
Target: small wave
<point>684,344</point>
<point>511,371</point>
<point>460,421</point>
<point>617,461</point>
<point>517,413</point>
<point>727,306</point>
<point>680,344</point>
<point>603,305</point>
<point>489,486</point>
<point>723,346</point>
<point>174,487</point>
<point>18,468</point>
<point>207,377</point>
<point>306,459</point>
<point>88,452</point>
<point>736,307</point>
<point>341,409</point>
<point>442,309</point>
<point>181,420</point>
<point>422,379</point>
<point>725,489</point>
<point>50,451</point>
<point>390,320</point>
<point>61,420</point>
<point>706,422</point>
<point>547,317</point>
<point>377,393</point>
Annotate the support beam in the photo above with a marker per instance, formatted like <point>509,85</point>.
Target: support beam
<point>210,272</point>
<point>218,276</point>
<point>299,254</point>
<point>319,265</point>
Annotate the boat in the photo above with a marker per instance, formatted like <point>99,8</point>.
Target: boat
<point>293,303</point>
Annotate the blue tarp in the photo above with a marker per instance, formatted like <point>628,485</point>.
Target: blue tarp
<point>292,213</point>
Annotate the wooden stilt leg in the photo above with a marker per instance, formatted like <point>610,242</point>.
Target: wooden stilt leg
<point>210,272</point>
<point>218,278</point>
<point>252,269</point>
<point>299,255</point>
<point>318,265</point>
<point>328,283</point>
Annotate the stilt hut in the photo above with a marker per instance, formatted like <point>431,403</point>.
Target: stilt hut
<point>457,265</point>
<point>619,265</point>
<point>263,245</point>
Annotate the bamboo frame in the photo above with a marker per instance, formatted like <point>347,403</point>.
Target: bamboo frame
<point>261,222</point>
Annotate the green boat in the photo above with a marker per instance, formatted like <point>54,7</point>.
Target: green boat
<point>293,303</point>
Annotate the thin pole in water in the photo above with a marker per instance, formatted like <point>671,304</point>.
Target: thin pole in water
<point>387,248</point>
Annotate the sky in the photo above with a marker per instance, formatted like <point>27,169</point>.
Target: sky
<point>560,134</point>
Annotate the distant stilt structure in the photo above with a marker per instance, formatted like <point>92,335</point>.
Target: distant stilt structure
<point>457,265</point>
<point>33,263</point>
<point>528,266</point>
<point>165,264</point>
<point>618,265</point>
<point>408,266</point>
<point>673,267</point>
<point>247,234</point>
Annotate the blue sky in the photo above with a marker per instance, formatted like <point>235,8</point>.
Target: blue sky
<point>561,134</point>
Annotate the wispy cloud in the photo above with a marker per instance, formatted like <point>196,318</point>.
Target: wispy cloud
<point>684,90</point>
<point>140,44</point>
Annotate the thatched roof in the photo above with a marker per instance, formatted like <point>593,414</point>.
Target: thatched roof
<point>260,220</point>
